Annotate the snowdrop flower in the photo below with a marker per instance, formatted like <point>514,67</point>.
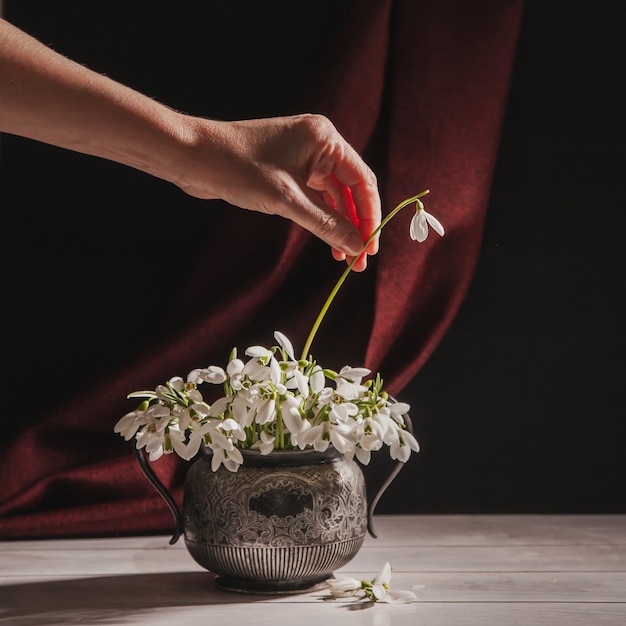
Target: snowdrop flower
<point>128,425</point>
<point>344,587</point>
<point>397,410</point>
<point>230,459</point>
<point>317,436</point>
<point>377,590</point>
<point>263,365</point>
<point>420,222</point>
<point>266,442</point>
<point>382,592</point>
<point>212,374</point>
<point>400,449</point>
<point>349,382</point>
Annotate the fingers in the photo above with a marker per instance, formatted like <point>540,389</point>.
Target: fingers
<point>344,177</point>
<point>308,210</point>
<point>361,182</point>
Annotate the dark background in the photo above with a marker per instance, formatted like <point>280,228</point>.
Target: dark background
<point>520,409</point>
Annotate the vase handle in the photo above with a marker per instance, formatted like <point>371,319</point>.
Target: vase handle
<point>398,465</point>
<point>148,472</point>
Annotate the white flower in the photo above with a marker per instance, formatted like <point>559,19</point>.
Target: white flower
<point>212,374</point>
<point>369,437</point>
<point>349,382</point>
<point>343,587</point>
<point>353,374</point>
<point>128,425</point>
<point>420,222</point>
<point>230,459</point>
<point>398,410</point>
<point>378,590</point>
<point>380,584</point>
<point>381,591</point>
<point>401,449</point>
<point>317,436</point>
<point>266,442</point>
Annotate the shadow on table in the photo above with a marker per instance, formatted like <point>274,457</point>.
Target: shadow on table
<point>109,599</point>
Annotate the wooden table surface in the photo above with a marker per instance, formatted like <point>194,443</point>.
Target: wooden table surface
<point>465,570</point>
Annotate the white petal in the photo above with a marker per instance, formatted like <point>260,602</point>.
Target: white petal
<point>317,380</point>
<point>194,376</point>
<point>177,383</point>
<point>410,441</point>
<point>155,455</point>
<point>302,382</point>
<point>192,447</point>
<point>241,412</point>
<point>219,406</point>
<point>398,409</point>
<point>218,457</point>
<point>214,374</point>
<point>266,412</point>
<point>400,596</point>
<point>234,367</point>
<point>379,591</point>
<point>221,441</point>
<point>343,587</point>
<point>384,576</point>
<point>127,426</point>
<point>292,419</point>
<point>354,373</point>
<point>400,453</point>
<point>275,371</point>
<point>284,343</point>
<point>266,448</point>
<point>363,455</point>
<point>256,370</point>
<point>258,352</point>
<point>434,223</point>
<point>419,227</point>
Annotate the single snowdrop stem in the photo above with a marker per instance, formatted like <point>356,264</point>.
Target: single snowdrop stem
<point>342,278</point>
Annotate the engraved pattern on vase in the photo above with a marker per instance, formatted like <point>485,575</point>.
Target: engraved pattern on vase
<point>303,505</point>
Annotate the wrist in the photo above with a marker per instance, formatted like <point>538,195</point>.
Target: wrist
<point>204,148</point>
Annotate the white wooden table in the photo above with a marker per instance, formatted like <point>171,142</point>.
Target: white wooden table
<point>465,570</point>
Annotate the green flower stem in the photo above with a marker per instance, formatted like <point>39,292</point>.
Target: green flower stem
<point>280,431</point>
<point>342,278</point>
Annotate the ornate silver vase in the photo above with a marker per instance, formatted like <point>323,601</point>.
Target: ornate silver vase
<point>283,523</point>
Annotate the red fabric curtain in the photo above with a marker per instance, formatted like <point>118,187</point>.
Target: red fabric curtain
<point>420,88</point>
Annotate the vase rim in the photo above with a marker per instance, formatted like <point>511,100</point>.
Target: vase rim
<point>254,458</point>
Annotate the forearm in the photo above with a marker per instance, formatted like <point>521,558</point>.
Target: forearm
<point>46,97</point>
<point>299,167</point>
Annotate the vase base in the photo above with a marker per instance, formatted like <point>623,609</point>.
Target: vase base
<point>270,587</point>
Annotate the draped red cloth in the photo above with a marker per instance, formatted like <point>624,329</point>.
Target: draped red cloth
<point>421,89</point>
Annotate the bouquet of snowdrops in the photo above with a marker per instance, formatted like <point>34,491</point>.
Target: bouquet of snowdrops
<point>273,400</point>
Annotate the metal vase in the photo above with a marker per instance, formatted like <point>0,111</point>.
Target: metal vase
<point>283,523</point>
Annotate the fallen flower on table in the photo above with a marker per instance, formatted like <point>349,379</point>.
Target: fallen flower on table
<point>376,590</point>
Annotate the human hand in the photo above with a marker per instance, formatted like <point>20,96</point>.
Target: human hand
<point>299,167</point>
